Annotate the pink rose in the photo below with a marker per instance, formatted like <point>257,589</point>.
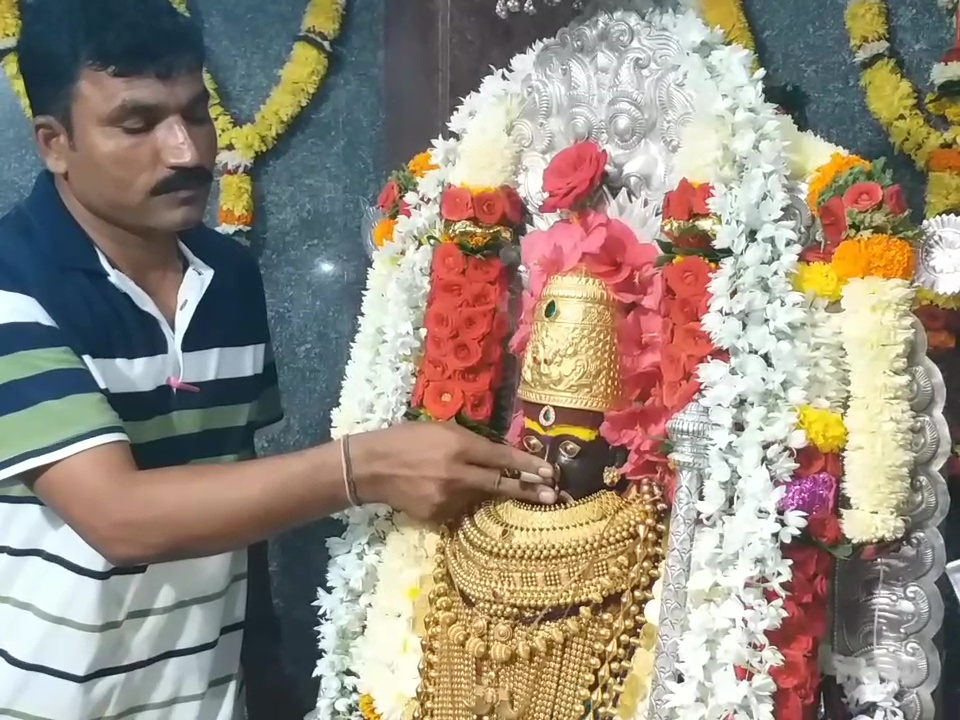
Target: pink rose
<point>456,204</point>
<point>894,201</point>
<point>388,197</point>
<point>863,196</point>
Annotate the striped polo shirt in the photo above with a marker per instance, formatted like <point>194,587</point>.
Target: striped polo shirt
<point>86,358</point>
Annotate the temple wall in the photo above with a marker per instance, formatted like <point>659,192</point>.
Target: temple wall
<point>400,66</point>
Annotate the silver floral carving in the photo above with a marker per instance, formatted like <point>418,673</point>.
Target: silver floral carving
<point>888,610</point>
<point>689,433</point>
<point>613,78</point>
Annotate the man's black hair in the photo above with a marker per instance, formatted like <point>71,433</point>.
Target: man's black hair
<point>126,38</point>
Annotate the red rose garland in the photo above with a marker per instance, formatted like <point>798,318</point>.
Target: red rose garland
<point>466,329</point>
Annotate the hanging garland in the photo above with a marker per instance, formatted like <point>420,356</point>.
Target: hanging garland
<point>239,145</point>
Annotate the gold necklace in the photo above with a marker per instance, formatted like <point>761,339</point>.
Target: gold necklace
<point>521,625</point>
<point>239,146</point>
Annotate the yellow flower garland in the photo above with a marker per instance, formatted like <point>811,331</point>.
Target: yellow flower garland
<point>239,145</point>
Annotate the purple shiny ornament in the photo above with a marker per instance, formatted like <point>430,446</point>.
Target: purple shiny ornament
<point>812,494</point>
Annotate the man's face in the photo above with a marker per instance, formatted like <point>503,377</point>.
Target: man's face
<point>142,150</point>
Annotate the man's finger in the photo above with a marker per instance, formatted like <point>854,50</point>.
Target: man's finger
<point>504,457</point>
<point>495,482</point>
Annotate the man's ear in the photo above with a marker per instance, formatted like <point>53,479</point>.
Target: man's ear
<point>53,143</point>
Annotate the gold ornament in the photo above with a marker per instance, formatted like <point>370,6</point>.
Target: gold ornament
<point>521,626</point>
<point>573,360</point>
<point>611,476</point>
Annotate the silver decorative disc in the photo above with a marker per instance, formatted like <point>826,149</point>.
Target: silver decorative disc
<point>938,257</point>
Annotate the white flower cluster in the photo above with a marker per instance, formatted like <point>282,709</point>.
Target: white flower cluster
<point>381,371</point>
<point>877,332</point>
<point>825,364</point>
<point>389,650</point>
<point>868,695</point>
<point>755,315</point>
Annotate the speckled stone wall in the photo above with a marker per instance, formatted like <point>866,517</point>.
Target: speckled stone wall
<point>310,191</point>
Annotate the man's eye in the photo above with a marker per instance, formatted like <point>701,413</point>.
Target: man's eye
<point>569,449</point>
<point>532,444</point>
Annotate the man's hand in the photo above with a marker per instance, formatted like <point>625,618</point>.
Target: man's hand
<point>433,471</point>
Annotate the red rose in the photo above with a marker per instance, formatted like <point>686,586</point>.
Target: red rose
<point>404,208</point>
<point>483,269</point>
<point>833,220</point>
<point>673,364</point>
<point>388,197</point>
<point>682,311</point>
<point>687,201</point>
<point>448,261</point>
<point>474,380</point>
<point>433,368</point>
<point>462,353</point>
<point>514,205</point>
<point>441,320</point>
<point>449,291</point>
<point>490,207</point>
<point>688,278</point>
<point>894,201</point>
<point>825,528</point>
<point>443,400</point>
<point>693,342</point>
<point>475,323</point>
<point>572,176</point>
<point>481,296</point>
<point>478,407</point>
<point>863,196</point>
<point>456,204</point>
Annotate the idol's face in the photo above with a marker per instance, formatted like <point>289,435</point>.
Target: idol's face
<point>571,441</point>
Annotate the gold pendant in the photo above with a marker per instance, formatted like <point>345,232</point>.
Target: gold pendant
<point>611,476</point>
<point>493,702</point>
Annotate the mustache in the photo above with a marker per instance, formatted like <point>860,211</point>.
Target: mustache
<point>192,178</point>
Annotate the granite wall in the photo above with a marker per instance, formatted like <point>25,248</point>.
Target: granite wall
<point>310,192</point>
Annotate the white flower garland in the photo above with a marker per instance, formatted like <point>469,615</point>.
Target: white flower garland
<point>389,650</point>
<point>755,315</point>
<point>877,332</point>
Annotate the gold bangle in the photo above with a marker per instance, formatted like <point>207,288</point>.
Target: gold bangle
<point>349,483</point>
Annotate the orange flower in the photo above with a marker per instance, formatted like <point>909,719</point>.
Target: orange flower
<point>421,164</point>
<point>881,256</point>
<point>383,232</point>
<point>944,160</point>
<point>826,174</point>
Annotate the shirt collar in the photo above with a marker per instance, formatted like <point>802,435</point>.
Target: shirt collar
<point>68,243</point>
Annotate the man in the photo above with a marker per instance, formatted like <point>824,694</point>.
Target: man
<point>135,367</point>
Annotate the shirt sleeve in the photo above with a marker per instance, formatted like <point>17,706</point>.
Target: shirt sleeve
<point>51,406</point>
<point>268,408</point>
<point>269,405</point>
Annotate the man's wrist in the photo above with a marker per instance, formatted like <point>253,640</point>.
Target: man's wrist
<point>361,463</point>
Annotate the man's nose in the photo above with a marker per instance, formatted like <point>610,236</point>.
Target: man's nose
<point>176,145</point>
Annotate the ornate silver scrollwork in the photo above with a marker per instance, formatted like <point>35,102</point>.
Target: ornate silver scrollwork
<point>689,433</point>
<point>889,609</point>
<point>613,78</point>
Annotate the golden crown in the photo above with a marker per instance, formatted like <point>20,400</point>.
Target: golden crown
<point>573,360</point>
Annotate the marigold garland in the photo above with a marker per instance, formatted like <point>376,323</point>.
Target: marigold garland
<point>825,176</point>
<point>880,256</point>
<point>239,145</point>
<point>824,428</point>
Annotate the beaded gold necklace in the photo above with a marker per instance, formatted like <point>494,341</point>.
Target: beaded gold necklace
<point>239,145</point>
<point>535,613</point>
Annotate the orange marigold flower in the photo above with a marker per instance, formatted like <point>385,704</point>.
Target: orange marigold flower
<point>383,232</point>
<point>826,174</point>
<point>944,160</point>
<point>421,164</point>
<point>880,256</point>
